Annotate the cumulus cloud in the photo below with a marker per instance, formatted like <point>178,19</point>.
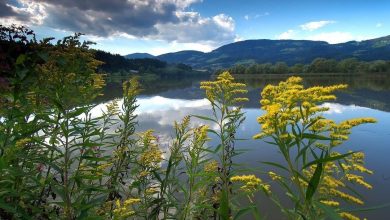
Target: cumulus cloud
<point>194,28</point>
<point>148,19</point>
<point>314,25</point>
<point>286,35</point>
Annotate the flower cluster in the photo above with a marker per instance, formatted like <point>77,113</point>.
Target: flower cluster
<point>125,210</point>
<point>113,107</point>
<point>224,90</point>
<point>289,102</point>
<point>338,132</point>
<point>251,183</point>
<point>274,176</point>
<point>211,166</point>
<point>152,155</point>
<point>131,88</point>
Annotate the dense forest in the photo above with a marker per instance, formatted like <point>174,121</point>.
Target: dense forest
<point>318,65</point>
<point>117,65</point>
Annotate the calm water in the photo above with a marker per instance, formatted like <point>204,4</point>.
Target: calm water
<point>165,101</point>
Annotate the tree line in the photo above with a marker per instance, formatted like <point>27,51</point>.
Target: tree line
<point>115,64</point>
<point>318,65</point>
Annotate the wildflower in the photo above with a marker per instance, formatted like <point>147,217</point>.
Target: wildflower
<point>345,196</point>
<point>123,211</point>
<point>330,203</point>
<point>98,81</point>
<point>131,88</point>
<point>274,176</point>
<point>112,107</point>
<point>211,166</point>
<point>358,179</point>
<point>152,155</point>
<point>251,183</point>
<point>151,191</point>
<point>348,216</point>
<point>289,102</point>
<point>224,89</point>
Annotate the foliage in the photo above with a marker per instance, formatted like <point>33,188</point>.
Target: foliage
<point>318,65</point>
<point>114,64</point>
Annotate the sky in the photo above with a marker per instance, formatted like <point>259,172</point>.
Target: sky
<point>163,26</point>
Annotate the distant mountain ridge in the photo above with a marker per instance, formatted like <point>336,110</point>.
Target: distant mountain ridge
<point>289,51</point>
<point>139,56</point>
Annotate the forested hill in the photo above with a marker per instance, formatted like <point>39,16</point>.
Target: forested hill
<point>288,51</point>
<point>115,64</point>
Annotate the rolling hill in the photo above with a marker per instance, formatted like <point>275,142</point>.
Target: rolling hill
<point>289,51</point>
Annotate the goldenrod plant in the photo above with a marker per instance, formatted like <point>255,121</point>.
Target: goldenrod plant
<point>315,175</point>
<point>226,98</point>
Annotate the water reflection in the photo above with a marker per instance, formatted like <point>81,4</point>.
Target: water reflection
<point>366,90</point>
<point>159,109</point>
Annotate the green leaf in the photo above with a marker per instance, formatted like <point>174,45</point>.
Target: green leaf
<point>224,206</point>
<point>275,165</point>
<point>329,211</point>
<point>316,137</point>
<point>368,209</point>
<point>243,211</point>
<point>314,181</point>
<point>205,118</point>
<point>327,159</point>
<point>21,58</point>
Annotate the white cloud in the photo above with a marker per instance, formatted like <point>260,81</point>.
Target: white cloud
<point>314,25</point>
<point>286,35</point>
<point>174,46</point>
<point>336,37</point>
<point>256,16</point>
<point>193,28</point>
<point>378,25</point>
<point>335,108</point>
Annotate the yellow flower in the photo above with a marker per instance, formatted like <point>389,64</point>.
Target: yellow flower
<point>152,155</point>
<point>251,183</point>
<point>224,90</point>
<point>330,202</point>
<point>274,176</point>
<point>348,216</point>
<point>211,166</point>
<point>125,210</point>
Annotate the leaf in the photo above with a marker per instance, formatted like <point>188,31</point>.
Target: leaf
<point>314,181</point>
<point>224,206</point>
<point>327,159</point>
<point>316,137</point>
<point>275,164</point>
<point>205,118</point>
<point>329,211</point>
<point>243,211</point>
<point>372,208</point>
<point>21,58</point>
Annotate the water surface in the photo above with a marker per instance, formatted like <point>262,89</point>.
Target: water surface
<point>165,101</point>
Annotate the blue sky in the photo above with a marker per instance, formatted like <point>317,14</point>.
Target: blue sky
<point>161,26</point>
